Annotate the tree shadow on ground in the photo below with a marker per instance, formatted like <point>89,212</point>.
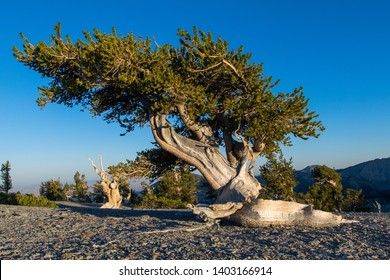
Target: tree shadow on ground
<point>94,209</point>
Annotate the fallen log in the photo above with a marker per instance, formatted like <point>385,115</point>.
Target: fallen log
<point>270,212</point>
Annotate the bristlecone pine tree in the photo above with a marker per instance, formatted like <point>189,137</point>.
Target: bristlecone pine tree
<point>355,201</point>
<point>215,96</point>
<point>114,182</point>
<point>81,185</point>
<point>6,181</point>
<point>279,177</point>
<point>175,189</point>
<point>52,190</point>
<point>327,191</point>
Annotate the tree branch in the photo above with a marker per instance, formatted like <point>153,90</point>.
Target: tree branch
<point>231,66</point>
<point>228,140</point>
<point>206,69</point>
<point>207,159</point>
<point>94,167</point>
<point>229,148</point>
<point>203,133</point>
<point>258,148</point>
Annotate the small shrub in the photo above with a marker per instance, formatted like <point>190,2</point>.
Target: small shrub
<point>52,190</point>
<point>175,190</point>
<point>151,201</point>
<point>7,198</point>
<point>279,177</point>
<point>355,201</point>
<point>326,192</point>
<point>26,200</point>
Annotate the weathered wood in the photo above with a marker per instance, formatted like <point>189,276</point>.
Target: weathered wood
<point>234,184</point>
<point>273,212</point>
<point>215,211</point>
<point>110,187</point>
<point>237,188</point>
<point>113,196</point>
<point>270,212</point>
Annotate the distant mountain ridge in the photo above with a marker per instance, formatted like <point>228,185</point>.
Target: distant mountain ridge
<point>372,176</point>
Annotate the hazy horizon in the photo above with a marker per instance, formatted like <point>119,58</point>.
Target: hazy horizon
<point>135,184</point>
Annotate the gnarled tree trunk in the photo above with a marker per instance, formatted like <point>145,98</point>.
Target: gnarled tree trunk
<point>110,187</point>
<point>237,188</point>
<point>233,184</point>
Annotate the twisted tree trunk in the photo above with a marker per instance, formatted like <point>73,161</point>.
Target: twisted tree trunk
<point>110,187</point>
<point>232,184</point>
<point>237,188</point>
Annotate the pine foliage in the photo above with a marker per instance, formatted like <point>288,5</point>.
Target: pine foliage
<point>6,181</point>
<point>280,179</point>
<point>355,201</point>
<point>52,190</point>
<point>176,189</point>
<point>81,186</point>
<point>327,191</point>
<point>125,79</point>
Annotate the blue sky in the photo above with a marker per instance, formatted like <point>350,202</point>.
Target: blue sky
<point>339,51</point>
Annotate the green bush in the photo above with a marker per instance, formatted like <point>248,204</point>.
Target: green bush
<point>279,177</point>
<point>151,201</point>
<point>7,198</point>
<point>326,192</point>
<point>52,190</point>
<point>175,190</point>
<point>26,200</point>
<point>355,201</point>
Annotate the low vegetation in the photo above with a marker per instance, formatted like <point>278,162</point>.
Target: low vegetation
<point>26,200</point>
<point>327,193</point>
<point>176,189</point>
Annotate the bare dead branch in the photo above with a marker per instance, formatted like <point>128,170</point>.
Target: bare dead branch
<point>94,167</point>
<point>101,162</point>
<point>206,69</point>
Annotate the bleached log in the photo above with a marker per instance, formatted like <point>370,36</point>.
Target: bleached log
<point>271,212</point>
<point>215,211</point>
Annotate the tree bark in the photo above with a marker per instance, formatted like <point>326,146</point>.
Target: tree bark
<point>232,184</point>
<point>237,188</point>
<point>110,187</point>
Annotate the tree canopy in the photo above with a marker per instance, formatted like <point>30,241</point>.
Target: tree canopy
<point>202,83</point>
<point>197,97</point>
<point>52,190</point>
<point>280,179</point>
<point>326,192</point>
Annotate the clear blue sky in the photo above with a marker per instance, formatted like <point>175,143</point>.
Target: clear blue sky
<point>339,51</point>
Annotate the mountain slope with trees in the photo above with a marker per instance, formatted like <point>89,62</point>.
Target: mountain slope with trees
<point>373,177</point>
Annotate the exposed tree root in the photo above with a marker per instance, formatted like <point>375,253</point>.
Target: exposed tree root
<point>269,212</point>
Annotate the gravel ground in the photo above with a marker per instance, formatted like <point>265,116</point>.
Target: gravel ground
<point>83,232</point>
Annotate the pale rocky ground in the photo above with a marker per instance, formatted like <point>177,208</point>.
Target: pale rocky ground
<point>83,232</point>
